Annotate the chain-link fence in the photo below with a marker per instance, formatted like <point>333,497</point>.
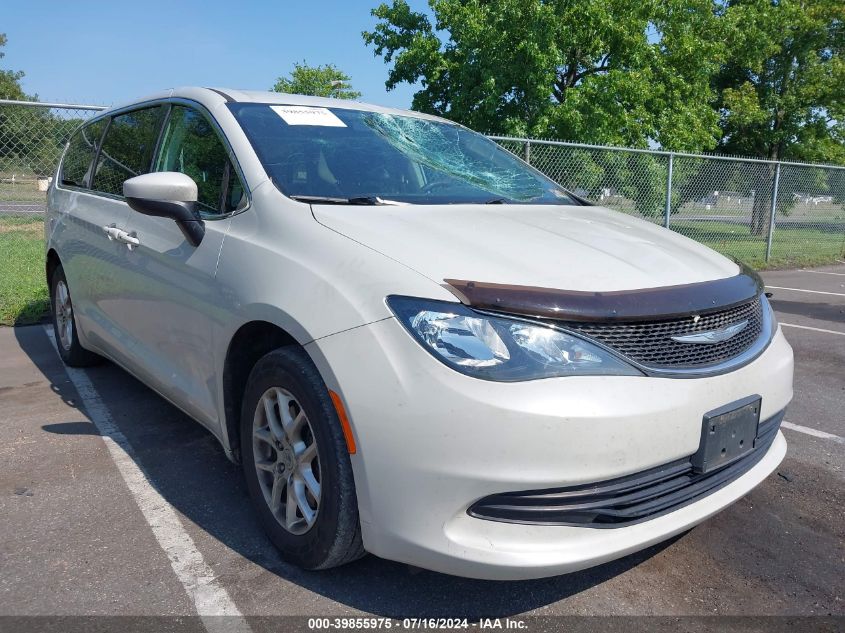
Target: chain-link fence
<point>32,137</point>
<point>762,212</point>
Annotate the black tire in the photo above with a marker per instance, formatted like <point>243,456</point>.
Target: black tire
<point>73,354</point>
<point>335,536</point>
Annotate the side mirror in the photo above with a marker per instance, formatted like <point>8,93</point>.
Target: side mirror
<point>167,194</point>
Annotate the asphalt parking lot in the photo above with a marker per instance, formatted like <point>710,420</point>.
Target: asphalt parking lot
<point>112,502</point>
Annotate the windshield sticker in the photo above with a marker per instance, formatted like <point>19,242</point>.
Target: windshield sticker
<point>303,115</point>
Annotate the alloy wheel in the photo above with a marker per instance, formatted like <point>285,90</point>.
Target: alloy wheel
<point>64,315</point>
<point>286,460</point>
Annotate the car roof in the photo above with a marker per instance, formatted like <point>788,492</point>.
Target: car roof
<point>211,97</point>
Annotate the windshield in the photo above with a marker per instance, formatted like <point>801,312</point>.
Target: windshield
<point>345,155</point>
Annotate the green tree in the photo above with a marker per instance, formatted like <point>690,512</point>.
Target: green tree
<point>603,71</point>
<point>31,139</point>
<point>782,89</point>
<point>10,86</point>
<point>781,92</point>
<point>317,81</point>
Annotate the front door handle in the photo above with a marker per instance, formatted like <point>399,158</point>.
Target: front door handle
<point>129,239</point>
<point>114,233</point>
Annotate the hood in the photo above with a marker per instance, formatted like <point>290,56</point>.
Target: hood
<point>581,248</point>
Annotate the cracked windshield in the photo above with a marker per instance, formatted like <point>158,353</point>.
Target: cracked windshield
<point>338,155</point>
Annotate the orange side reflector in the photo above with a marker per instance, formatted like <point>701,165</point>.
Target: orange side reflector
<point>344,423</point>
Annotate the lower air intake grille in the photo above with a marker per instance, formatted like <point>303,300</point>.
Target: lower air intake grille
<point>626,500</point>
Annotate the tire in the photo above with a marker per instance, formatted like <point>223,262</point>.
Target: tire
<point>64,324</point>
<point>287,378</point>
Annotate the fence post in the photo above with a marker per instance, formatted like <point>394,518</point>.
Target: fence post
<point>773,213</point>
<point>669,191</point>
<point>528,151</point>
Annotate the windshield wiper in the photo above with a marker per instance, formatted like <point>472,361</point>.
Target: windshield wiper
<point>362,200</point>
<point>497,201</point>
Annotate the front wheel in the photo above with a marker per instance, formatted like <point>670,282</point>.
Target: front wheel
<point>296,463</point>
<point>64,324</point>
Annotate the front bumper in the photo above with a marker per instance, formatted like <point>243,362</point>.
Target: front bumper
<point>431,442</point>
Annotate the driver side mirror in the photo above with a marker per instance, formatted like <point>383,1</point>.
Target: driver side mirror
<point>167,194</point>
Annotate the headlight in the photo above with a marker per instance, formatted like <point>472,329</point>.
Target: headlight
<point>500,348</point>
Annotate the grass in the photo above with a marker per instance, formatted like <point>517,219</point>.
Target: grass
<point>23,290</point>
<point>791,247</point>
<point>24,298</point>
<point>824,212</point>
<point>21,192</point>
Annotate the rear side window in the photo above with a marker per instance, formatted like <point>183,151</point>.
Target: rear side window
<point>190,145</point>
<point>127,150</point>
<point>82,147</point>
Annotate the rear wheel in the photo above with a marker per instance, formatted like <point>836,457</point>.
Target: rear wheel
<point>296,463</point>
<point>64,324</point>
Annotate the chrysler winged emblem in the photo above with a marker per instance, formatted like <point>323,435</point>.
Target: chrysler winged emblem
<point>713,336</point>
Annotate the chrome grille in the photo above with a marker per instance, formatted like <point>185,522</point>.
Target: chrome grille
<point>650,343</point>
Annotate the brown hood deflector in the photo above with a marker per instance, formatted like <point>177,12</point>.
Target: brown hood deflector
<point>620,305</point>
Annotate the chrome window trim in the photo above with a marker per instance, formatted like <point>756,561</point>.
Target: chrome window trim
<point>108,114</point>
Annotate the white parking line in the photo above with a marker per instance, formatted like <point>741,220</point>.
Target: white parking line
<point>818,292</point>
<point>814,329</point>
<point>822,272</point>
<point>814,432</point>
<point>203,588</point>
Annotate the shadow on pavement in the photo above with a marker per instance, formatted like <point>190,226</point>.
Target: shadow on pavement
<point>72,428</point>
<point>814,310</point>
<point>186,465</point>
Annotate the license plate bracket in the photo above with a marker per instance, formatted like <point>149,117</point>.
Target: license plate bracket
<point>727,434</point>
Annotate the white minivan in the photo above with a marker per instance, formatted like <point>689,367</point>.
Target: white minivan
<point>416,344</point>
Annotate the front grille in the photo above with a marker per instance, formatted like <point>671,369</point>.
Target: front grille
<point>650,343</point>
<point>625,500</point>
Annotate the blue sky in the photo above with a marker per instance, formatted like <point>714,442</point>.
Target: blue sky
<point>108,52</point>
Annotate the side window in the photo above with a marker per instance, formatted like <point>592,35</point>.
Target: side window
<point>80,154</point>
<point>190,145</point>
<point>127,150</point>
